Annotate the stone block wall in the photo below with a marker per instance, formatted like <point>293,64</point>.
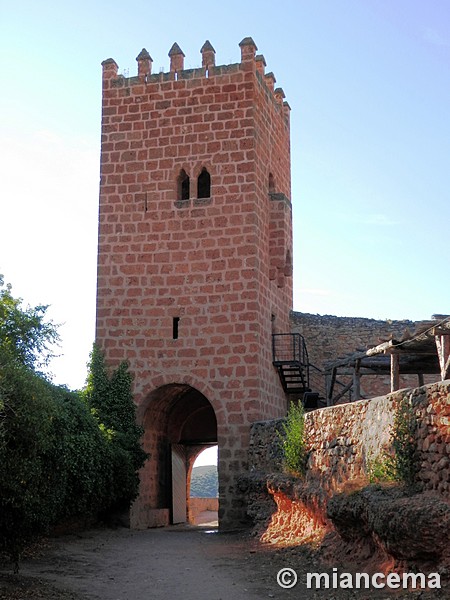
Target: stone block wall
<point>329,338</point>
<point>432,405</point>
<point>199,505</point>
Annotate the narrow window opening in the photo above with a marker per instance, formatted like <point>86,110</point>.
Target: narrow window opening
<point>288,264</point>
<point>183,185</point>
<point>176,75</point>
<point>204,184</point>
<point>271,184</point>
<point>176,321</point>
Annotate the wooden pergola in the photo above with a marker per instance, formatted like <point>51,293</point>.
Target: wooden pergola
<point>423,352</point>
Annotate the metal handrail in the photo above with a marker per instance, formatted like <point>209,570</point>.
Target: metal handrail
<point>290,348</point>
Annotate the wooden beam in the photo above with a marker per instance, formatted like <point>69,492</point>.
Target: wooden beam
<point>446,370</point>
<point>356,395</point>
<point>331,386</point>
<point>441,330</point>
<point>342,393</point>
<point>445,364</point>
<point>395,372</point>
<point>362,371</point>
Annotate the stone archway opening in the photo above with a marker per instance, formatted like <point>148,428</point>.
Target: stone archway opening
<point>179,422</point>
<point>203,486</point>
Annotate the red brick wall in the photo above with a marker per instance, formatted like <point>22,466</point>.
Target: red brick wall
<point>220,264</point>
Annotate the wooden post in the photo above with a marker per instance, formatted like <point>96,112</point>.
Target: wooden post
<point>421,380</point>
<point>395,372</point>
<point>330,387</point>
<point>356,395</point>
<point>443,350</point>
<point>445,373</point>
<point>327,387</point>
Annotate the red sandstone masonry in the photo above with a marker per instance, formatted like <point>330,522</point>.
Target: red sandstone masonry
<point>221,264</point>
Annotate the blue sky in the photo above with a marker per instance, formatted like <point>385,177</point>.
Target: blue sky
<point>368,84</point>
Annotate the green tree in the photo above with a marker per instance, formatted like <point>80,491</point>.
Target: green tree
<point>26,336</point>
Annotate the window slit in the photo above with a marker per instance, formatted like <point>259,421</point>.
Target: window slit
<point>175,323</point>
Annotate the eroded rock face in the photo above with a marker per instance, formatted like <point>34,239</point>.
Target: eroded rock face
<point>415,528</point>
<point>384,527</point>
<point>260,504</point>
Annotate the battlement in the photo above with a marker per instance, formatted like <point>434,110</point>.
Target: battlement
<point>250,62</point>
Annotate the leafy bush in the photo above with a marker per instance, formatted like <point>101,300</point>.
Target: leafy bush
<point>292,440</point>
<point>110,400</point>
<point>62,454</point>
<point>381,468</point>
<point>55,462</point>
<point>401,465</point>
<point>404,443</point>
<point>27,503</point>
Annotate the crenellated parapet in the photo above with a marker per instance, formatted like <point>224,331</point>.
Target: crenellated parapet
<point>250,62</point>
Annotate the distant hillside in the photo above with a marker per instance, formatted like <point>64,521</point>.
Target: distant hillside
<point>204,482</point>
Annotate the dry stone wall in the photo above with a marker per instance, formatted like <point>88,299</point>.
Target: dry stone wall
<point>342,439</point>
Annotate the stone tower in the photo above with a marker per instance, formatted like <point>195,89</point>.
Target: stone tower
<point>194,262</point>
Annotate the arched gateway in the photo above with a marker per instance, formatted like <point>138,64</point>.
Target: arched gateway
<point>179,422</point>
<point>193,277</point>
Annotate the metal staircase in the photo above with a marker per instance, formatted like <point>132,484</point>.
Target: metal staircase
<point>300,377</point>
<point>290,357</point>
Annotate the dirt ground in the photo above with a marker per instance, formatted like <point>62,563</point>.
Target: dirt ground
<point>174,563</point>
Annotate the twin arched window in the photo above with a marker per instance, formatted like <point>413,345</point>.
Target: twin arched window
<point>203,185</point>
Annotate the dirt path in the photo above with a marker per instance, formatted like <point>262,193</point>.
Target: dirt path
<point>169,564</point>
<point>157,564</point>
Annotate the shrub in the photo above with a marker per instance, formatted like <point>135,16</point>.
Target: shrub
<point>293,441</point>
<point>381,468</point>
<point>404,443</point>
<point>57,458</point>
<point>31,484</point>
<point>110,399</point>
<point>401,465</point>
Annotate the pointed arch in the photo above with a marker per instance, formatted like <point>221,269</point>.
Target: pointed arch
<point>183,186</point>
<point>204,184</point>
<point>271,183</point>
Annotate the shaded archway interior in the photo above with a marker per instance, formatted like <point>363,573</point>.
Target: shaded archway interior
<point>179,422</point>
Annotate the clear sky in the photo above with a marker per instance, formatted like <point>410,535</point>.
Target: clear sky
<point>368,82</point>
